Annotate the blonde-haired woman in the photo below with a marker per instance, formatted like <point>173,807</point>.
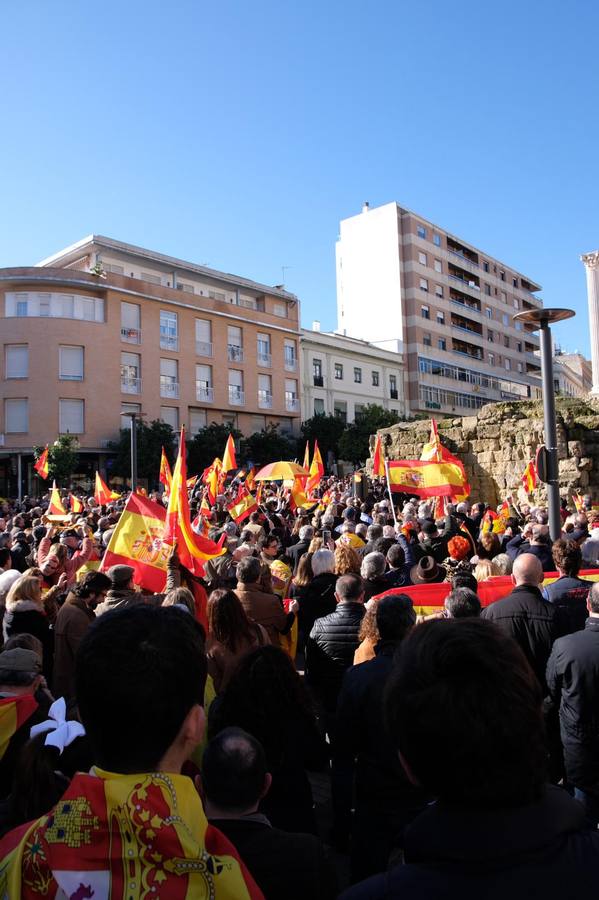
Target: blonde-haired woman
<point>346,560</point>
<point>485,568</point>
<point>25,614</point>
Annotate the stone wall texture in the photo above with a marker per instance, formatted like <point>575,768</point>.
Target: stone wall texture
<point>496,444</point>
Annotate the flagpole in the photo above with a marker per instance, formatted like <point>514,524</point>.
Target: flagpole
<point>389,492</point>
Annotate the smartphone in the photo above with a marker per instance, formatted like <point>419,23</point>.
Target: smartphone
<point>326,535</point>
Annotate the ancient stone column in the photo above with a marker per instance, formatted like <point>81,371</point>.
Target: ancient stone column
<point>591,264</point>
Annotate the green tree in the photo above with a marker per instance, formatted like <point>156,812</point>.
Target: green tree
<point>63,458</point>
<point>326,430</point>
<point>207,444</point>
<point>267,446</point>
<point>150,440</point>
<point>353,444</point>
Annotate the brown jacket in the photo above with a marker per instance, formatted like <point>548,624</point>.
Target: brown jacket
<point>265,609</point>
<point>72,622</point>
<point>222,661</point>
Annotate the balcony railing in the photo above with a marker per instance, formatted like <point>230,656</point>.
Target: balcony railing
<point>236,396</point>
<point>463,258</point>
<point>204,348</point>
<point>466,285</point>
<point>471,331</point>
<point>393,393</point>
<point>265,360</point>
<point>204,393</point>
<point>248,304</point>
<point>265,399</point>
<point>169,342</point>
<point>478,356</point>
<point>131,335</point>
<point>290,364</point>
<point>234,353</point>
<point>169,389</point>
<point>318,381</point>
<point>130,385</point>
<point>464,307</point>
<point>292,404</point>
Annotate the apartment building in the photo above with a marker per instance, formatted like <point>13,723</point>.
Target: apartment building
<point>408,285</point>
<point>103,328</point>
<point>341,375</point>
<point>572,374</point>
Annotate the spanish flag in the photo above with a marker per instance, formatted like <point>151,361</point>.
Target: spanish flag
<point>102,493</point>
<point>229,461</point>
<point>76,504</point>
<point>193,549</point>
<point>428,479</point>
<point>243,505</point>
<point>210,477</point>
<point>316,469</point>
<point>297,497</point>
<point>433,451</point>
<point>56,507</point>
<point>137,542</point>
<point>578,502</point>
<point>307,456</point>
<point>529,478</point>
<point>378,460</point>
<point>165,476</point>
<point>14,712</point>
<point>41,465</point>
<point>249,480</point>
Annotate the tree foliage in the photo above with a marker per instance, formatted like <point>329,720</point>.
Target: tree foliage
<point>353,444</point>
<point>150,440</point>
<point>63,458</point>
<point>326,430</point>
<point>267,446</point>
<point>207,444</point>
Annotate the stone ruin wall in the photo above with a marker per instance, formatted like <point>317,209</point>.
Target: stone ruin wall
<point>496,444</point>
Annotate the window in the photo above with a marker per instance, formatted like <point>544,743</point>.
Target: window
<point>440,318</point>
<point>130,323</point>
<point>280,309</point>
<point>153,279</point>
<point>437,240</point>
<point>197,420</point>
<point>16,416</point>
<point>339,371</point>
<point>516,303</point>
<point>169,332</point>
<point>358,410</point>
<point>490,336</point>
<point>488,290</point>
<point>502,276</point>
<point>204,389</point>
<point>217,295</point>
<point>130,373</point>
<point>71,416</point>
<point>438,265</point>
<point>70,363</point>
<point>519,346</point>
<point>425,312</point>
<point>422,258</point>
<point>169,378</point>
<point>423,284</point>
<point>442,344</point>
<point>485,266</point>
<point>263,349</point>
<point>393,385</point>
<point>508,364</point>
<point>491,358</point>
<point>317,368</point>
<point>235,343</point>
<point>426,340</point>
<point>520,367</point>
<point>438,290</point>
<point>318,406</point>
<point>16,358</point>
<point>290,353</point>
<point>204,337</point>
<point>186,288</point>
<point>506,340</point>
<point>488,312</point>
<point>230,419</point>
<point>129,408</point>
<point>505,318</point>
<point>291,398</point>
<point>264,391</point>
<point>518,326</point>
<point>503,297</point>
<point>357,375</point>
<point>340,410</point>
<point>257,423</point>
<point>57,306</point>
<point>515,282</point>
<point>170,416</point>
<point>375,378</point>
<point>236,394</point>
<point>421,231</point>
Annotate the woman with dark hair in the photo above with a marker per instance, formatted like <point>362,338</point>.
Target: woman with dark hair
<point>231,635</point>
<point>266,697</point>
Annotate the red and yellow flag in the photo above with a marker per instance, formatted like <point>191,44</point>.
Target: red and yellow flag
<point>529,478</point>
<point>56,507</point>
<point>76,504</point>
<point>193,549</point>
<point>14,712</point>
<point>137,542</point>
<point>433,450</point>
<point>578,502</point>
<point>307,456</point>
<point>316,469</point>
<point>210,477</point>
<point>165,476</point>
<point>298,498</point>
<point>428,479</point>
<point>229,461</point>
<point>378,460</point>
<point>41,465</point>
<point>243,505</point>
<point>102,493</point>
<point>250,479</point>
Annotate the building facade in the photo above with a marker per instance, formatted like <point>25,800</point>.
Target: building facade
<point>410,286</point>
<point>341,375</point>
<point>572,374</point>
<point>104,328</point>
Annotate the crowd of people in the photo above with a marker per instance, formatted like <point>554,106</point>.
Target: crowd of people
<point>169,744</point>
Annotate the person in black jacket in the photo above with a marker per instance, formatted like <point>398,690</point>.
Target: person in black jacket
<point>465,711</point>
<point>573,684</point>
<point>333,641</point>
<point>317,598</point>
<point>296,551</point>
<point>524,615</point>
<point>367,772</point>
<point>235,780</point>
<point>569,593</point>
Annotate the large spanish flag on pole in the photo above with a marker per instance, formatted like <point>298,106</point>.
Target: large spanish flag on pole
<point>427,479</point>
<point>41,464</point>
<point>137,542</point>
<point>193,549</point>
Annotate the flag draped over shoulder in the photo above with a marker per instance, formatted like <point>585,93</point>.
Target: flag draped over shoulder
<point>137,542</point>
<point>529,478</point>
<point>428,479</point>
<point>193,549</point>
<point>56,507</point>
<point>41,465</point>
<point>378,460</point>
<point>102,493</point>
<point>242,506</point>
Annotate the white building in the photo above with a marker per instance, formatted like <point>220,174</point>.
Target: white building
<point>341,375</point>
<point>572,374</point>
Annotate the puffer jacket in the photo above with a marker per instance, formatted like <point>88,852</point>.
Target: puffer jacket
<point>330,650</point>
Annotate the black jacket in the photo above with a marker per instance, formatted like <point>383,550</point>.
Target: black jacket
<point>374,586</point>
<point>436,547</point>
<point>296,551</point>
<point>573,684</point>
<point>541,850</point>
<point>531,621</point>
<point>285,866</point>
<point>330,650</point>
<point>543,554</point>
<point>24,617</point>
<point>316,600</point>
<point>570,596</point>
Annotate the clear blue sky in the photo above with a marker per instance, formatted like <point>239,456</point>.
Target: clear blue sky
<point>238,133</point>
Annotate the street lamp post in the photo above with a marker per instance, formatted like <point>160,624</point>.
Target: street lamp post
<point>542,319</point>
<point>133,417</point>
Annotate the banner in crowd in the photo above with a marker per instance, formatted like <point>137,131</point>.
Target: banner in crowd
<point>137,542</point>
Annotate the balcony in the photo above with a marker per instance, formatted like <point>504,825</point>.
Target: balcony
<point>264,360</point>
<point>264,399</point>
<point>247,304</point>
<point>463,258</point>
<point>290,364</point>
<point>204,348</point>
<point>204,393</point>
<point>318,381</point>
<point>465,307</point>
<point>169,389</point>
<point>292,404</point>
<point>131,335</point>
<point>236,396</point>
<point>169,342</point>
<point>464,284</point>
<point>234,353</point>
<point>130,385</point>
